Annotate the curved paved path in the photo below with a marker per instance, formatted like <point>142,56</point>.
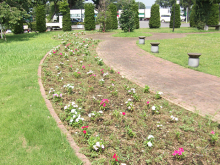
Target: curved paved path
<point>190,89</point>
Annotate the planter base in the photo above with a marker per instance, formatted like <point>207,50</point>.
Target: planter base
<point>154,47</point>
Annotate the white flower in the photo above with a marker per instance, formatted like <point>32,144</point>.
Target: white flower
<point>161,107</point>
<point>129,99</point>
<point>150,136</point>
<point>176,119</point>
<point>153,108</point>
<point>123,164</point>
<point>98,144</point>
<point>149,144</point>
<point>95,147</point>
<point>71,120</point>
<point>100,111</point>
<point>91,114</point>
<point>73,110</point>
<point>129,107</point>
<point>160,93</point>
<point>102,146</point>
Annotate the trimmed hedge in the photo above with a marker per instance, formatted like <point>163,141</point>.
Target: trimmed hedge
<point>214,15</point>
<point>65,11</point>
<point>113,9</point>
<point>136,18</point>
<point>154,21</point>
<point>89,17</point>
<point>41,19</point>
<point>177,16</point>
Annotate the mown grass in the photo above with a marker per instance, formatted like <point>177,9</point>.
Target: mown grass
<point>131,34</point>
<point>143,31</point>
<point>175,50</point>
<point>28,133</point>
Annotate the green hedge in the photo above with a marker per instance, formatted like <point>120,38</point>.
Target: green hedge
<point>177,16</point>
<point>41,18</point>
<point>65,11</point>
<point>89,17</point>
<point>193,22</point>
<point>154,21</point>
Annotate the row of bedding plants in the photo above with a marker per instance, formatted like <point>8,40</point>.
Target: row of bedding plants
<point>115,121</point>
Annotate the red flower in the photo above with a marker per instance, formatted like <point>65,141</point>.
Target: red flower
<point>115,157</point>
<point>84,131</point>
<point>123,113</point>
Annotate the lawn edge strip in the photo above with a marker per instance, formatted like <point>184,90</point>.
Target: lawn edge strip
<point>63,129</point>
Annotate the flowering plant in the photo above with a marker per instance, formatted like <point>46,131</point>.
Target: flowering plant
<point>173,118</point>
<point>101,82</point>
<point>129,104</point>
<point>94,115</point>
<point>57,97</point>
<point>61,54</point>
<point>179,154</point>
<point>96,143</point>
<point>74,114</point>
<point>77,74</point>
<point>90,72</point>
<point>115,157</point>
<point>158,95</point>
<point>149,141</point>
<point>61,64</point>
<point>86,133</point>
<point>155,109</point>
<point>214,137</point>
<point>68,88</point>
<point>104,104</point>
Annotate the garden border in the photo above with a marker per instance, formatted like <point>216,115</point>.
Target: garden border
<point>63,129</point>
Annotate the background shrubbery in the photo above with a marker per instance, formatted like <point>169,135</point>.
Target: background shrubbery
<point>41,19</point>
<point>154,21</point>
<point>89,17</point>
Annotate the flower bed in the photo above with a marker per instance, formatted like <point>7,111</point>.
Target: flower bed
<point>115,121</point>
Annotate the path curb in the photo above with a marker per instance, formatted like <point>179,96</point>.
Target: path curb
<point>72,143</point>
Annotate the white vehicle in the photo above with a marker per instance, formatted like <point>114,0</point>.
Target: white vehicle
<point>165,18</point>
<point>182,18</point>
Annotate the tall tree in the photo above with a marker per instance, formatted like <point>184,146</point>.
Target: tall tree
<point>136,17</point>
<point>126,20</point>
<point>89,17</point>
<point>141,5</point>
<point>177,16</point>
<point>113,9</point>
<point>41,18</point>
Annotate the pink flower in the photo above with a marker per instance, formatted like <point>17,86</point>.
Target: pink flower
<point>115,157</point>
<point>84,131</point>
<point>61,54</point>
<point>83,67</point>
<point>102,70</point>
<point>78,72</point>
<point>123,113</point>
<point>118,72</point>
<point>148,102</point>
<point>75,49</point>
<point>61,95</point>
<point>54,52</point>
<point>71,66</point>
<point>83,41</point>
<point>212,132</point>
<point>104,105</point>
<point>84,127</point>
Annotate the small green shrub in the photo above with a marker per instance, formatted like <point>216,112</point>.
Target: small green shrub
<point>200,25</point>
<point>18,28</point>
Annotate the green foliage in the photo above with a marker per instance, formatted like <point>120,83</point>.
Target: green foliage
<point>136,18</point>
<point>113,10</point>
<point>155,17</point>
<point>41,19</point>
<point>65,11</point>
<point>214,15</point>
<point>18,28</point>
<point>193,17</point>
<point>126,20</point>
<point>177,16</point>
<point>89,17</point>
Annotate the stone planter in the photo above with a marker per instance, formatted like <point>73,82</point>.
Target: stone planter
<point>194,59</point>
<point>155,47</point>
<point>142,40</point>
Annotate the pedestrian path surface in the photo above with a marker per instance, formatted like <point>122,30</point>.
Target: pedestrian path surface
<point>193,90</point>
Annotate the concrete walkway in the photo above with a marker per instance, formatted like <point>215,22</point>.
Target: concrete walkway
<point>190,89</point>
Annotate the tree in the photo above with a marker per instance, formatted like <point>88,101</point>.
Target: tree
<point>113,9</point>
<point>177,16</point>
<point>135,10</point>
<point>213,15</point>
<point>89,17</point>
<point>141,5</point>
<point>104,15</point>
<point>165,3</point>
<point>126,20</point>
<point>41,18</point>
<point>193,22</point>
<point>9,16</point>
<point>155,17</point>
<point>65,11</point>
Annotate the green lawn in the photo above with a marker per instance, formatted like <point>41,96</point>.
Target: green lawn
<point>28,133</point>
<point>132,34</point>
<point>175,50</point>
